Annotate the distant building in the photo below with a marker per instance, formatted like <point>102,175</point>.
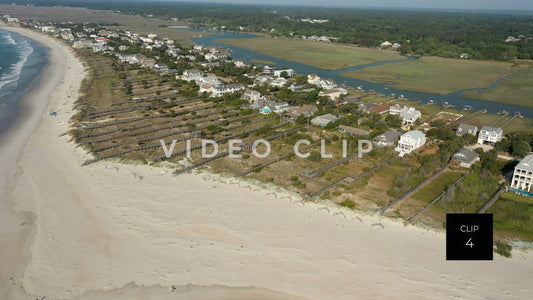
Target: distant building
<point>251,95</point>
<point>466,129</point>
<point>289,72</point>
<point>313,79</point>
<point>410,141</point>
<point>352,130</point>
<point>323,120</point>
<point>396,109</point>
<point>305,110</point>
<point>366,107</point>
<point>269,69</point>
<point>490,135</point>
<point>327,84</point>
<point>465,158</point>
<point>296,87</point>
<point>278,82</point>
<point>410,116</point>
<point>278,107</point>
<point>386,139</point>
<point>208,80</point>
<point>192,75</point>
<point>219,91</point>
<point>385,45</point>
<point>350,99</point>
<point>333,94</point>
<point>381,109</point>
<point>523,177</point>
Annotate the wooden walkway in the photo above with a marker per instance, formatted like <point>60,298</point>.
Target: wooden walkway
<point>412,191</point>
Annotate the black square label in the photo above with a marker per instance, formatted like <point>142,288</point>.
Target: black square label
<point>469,237</point>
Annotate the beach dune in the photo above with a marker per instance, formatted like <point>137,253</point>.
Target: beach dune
<point>103,232</point>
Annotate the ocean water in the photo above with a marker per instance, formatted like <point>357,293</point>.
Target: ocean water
<point>21,62</point>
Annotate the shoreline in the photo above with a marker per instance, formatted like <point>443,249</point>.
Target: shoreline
<point>13,142</point>
<point>97,229</point>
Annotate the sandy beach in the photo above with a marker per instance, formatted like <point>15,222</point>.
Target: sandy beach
<point>115,231</point>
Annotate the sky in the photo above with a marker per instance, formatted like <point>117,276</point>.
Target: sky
<point>439,4</point>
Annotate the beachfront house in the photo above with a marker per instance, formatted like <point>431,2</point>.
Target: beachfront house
<point>465,158</point>
<point>306,110</point>
<point>410,141</point>
<point>251,96</point>
<point>523,177</point>
<point>490,135</point>
<point>466,129</point>
<point>278,107</point>
<point>386,139</point>
<point>323,120</point>
<point>353,131</point>
<point>208,80</point>
<point>191,75</point>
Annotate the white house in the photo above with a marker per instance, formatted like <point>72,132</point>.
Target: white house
<point>251,95</point>
<point>313,79</point>
<point>333,94</point>
<point>278,82</point>
<point>410,115</point>
<point>490,135</point>
<point>327,84</point>
<point>466,129</point>
<point>410,141</point>
<point>385,44</point>
<point>208,80</point>
<point>226,89</point>
<point>278,107</point>
<point>523,177</point>
<point>396,109</point>
<point>323,120</point>
<point>192,75</point>
<point>289,72</point>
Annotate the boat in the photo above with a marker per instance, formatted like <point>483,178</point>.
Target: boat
<point>468,107</point>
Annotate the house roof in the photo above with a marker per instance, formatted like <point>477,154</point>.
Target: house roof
<point>414,134</point>
<point>389,136</point>
<point>380,108</point>
<point>526,163</point>
<point>492,129</point>
<point>328,117</point>
<point>409,113</point>
<point>306,109</point>
<point>465,155</point>
<point>465,128</point>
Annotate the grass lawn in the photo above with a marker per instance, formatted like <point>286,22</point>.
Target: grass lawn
<point>436,186</point>
<point>261,62</point>
<point>435,75</point>
<point>513,216</point>
<point>321,55</point>
<point>516,90</point>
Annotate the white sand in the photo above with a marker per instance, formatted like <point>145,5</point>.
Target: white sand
<point>97,229</point>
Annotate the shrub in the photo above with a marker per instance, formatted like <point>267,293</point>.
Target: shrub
<point>503,249</point>
<point>348,203</point>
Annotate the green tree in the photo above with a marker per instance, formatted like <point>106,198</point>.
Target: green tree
<point>520,148</point>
